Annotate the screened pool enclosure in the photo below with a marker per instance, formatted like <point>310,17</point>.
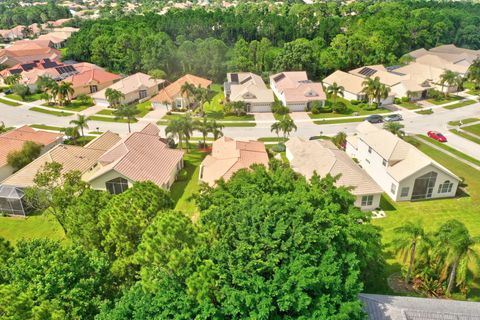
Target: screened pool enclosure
<point>11,201</point>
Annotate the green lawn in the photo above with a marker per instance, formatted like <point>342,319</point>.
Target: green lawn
<point>32,227</point>
<point>334,121</point>
<point>272,139</point>
<point>435,212</point>
<point>107,119</point>
<point>187,185</point>
<point>216,104</point>
<point>475,129</point>
<point>450,149</point>
<point>9,103</point>
<point>351,109</point>
<point>74,105</point>
<point>410,105</point>
<point>460,104</point>
<point>425,111</point>
<point>51,112</point>
<point>463,121</point>
<point>144,108</point>
<point>45,127</point>
<point>465,136</point>
<point>448,99</point>
<point>215,116</point>
<point>28,98</point>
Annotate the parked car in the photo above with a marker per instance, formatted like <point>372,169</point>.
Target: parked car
<point>437,136</point>
<point>393,117</point>
<point>374,118</point>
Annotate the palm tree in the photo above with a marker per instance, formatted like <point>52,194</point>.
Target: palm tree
<point>64,92</point>
<point>44,83</point>
<point>187,125</point>
<point>114,97</point>
<point>72,133</point>
<point>449,78</point>
<point>286,126</point>
<point>395,127</point>
<point>382,93</point>
<point>174,129</point>
<point>3,128</point>
<point>409,237</point>
<point>340,139</point>
<point>204,128</point>
<point>127,112</point>
<point>188,91</point>
<point>202,95</point>
<point>474,72</point>
<point>370,88</point>
<point>334,91</point>
<point>80,123</point>
<point>239,107</point>
<point>276,128</point>
<point>216,129</point>
<point>12,79</point>
<point>455,247</point>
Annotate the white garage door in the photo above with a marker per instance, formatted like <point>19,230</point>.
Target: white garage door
<point>260,108</point>
<point>297,107</point>
<point>102,102</point>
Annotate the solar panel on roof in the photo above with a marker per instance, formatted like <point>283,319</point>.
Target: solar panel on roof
<point>279,77</point>
<point>367,72</point>
<point>28,66</point>
<point>15,71</point>
<point>234,77</point>
<point>49,64</point>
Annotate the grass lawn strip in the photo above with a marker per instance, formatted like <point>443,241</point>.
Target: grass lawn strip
<point>74,105</point>
<point>45,127</point>
<point>334,121</point>
<point>444,100</point>
<point>9,103</point>
<point>425,112</point>
<point>28,98</point>
<point>463,121</point>
<point>51,112</point>
<point>475,129</point>
<point>460,104</point>
<point>465,135</point>
<point>107,119</point>
<point>272,139</point>
<point>410,105</point>
<point>450,149</point>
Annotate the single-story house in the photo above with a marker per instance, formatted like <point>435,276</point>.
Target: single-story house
<point>324,158</point>
<point>22,54</point>
<point>228,156</point>
<point>172,94</point>
<point>352,84</point>
<point>249,88</point>
<point>91,81</point>
<point>401,170</point>
<point>450,53</point>
<point>58,37</point>
<point>14,33</point>
<point>137,87</point>
<point>141,156</point>
<point>14,140</point>
<point>295,91</point>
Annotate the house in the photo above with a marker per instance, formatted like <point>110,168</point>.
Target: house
<point>137,87</point>
<point>172,94</point>
<point>324,158</point>
<point>141,156</point>
<point>58,37</point>
<point>14,140</point>
<point>450,53</point>
<point>13,56</point>
<point>295,91</point>
<point>228,156</point>
<point>91,81</point>
<point>400,169</point>
<point>249,88</point>
<point>15,33</point>
<point>383,307</point>
<point>30,44</point>
<point>352,84</point>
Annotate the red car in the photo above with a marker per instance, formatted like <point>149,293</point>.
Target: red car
<point>437,136</point>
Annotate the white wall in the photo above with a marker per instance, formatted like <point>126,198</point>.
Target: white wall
<point>375,202</point>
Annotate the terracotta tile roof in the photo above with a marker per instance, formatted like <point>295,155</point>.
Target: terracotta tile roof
<point>296,87</point>
<point>12,57</point>
<point>95,75</point>
<point>104,142</point>
<point>30,44</point>
<point>228,156</point>
<point>173,90</point>
<point>14,140</point>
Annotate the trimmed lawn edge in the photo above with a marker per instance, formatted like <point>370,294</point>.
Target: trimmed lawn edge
<point>51,112</point>
<point>9,103</point>
<point>465,136</point>
<point>339,121</point>
<point>450,149</point>
<point>460,104</point>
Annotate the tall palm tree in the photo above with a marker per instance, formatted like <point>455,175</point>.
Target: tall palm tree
<point>474,72</point>
<point>286,126</point>
<point>114,97</point>
<point>455,247</point>
<point>371,88</point>
<point>44,83</point>
<point>334,91</point>
<point>409,237</point>
<point>187,125</point>
<point>80,123</point>
<point>202,96</point>
<point>128,112</point>
<point>203,127</point>
<point>64,92</point>
<point>395,127</point>
<point>174,129</point>
<point>448,78</point>
<point>216,129</point>
<point>275,127</point>
<point>188,91</point>
<point>382,93</point>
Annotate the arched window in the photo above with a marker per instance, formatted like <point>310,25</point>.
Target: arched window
<point>445,187</point>
<point>117,185</point>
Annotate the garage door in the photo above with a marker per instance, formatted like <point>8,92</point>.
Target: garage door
<point>260,108</point>
<point>296,107</point>
<point>102,102</point>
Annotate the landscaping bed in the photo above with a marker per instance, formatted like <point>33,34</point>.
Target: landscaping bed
<point>51,112</point>
<point>352,109</point>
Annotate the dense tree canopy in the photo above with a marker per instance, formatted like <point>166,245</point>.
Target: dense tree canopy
<point>11,14</point>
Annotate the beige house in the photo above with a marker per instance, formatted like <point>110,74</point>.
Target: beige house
<point>91,80</point>
<point>249,88</point>
<point>14,140</point>
<point>228,156</point>
<point>352,84</point>
<point>137,87</point>
<point>324,158</point>
<point>58,37</point>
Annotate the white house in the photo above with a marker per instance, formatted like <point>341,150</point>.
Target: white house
<point>295,91</point>
<point>324,158</point>
<point>401,170</point>
<point>249,88</point>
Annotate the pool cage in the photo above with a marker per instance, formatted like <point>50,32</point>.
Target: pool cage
<point>11,201</point>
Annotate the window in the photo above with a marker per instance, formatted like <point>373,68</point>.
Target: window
<point>178,102</point>
<point>393,188</point>
<point>117,185</point>
<point>384,162</point>
<point>445,187</point>
<point>367,200</point>
<point>93,89</point>
<point>423,186</point>
<point>369,149</point>
<point>142,94</point>
<point>404,192</point>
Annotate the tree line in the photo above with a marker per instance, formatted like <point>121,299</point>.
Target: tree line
<point>318,38</point>
<point>12,14</point>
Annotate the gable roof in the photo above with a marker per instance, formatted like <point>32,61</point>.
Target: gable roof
<point>249,87</point>
<point>295,87</point>
<point>228,156</point>
<point>13,140</point>
<point>130,84</point>
<point>324,158</point>
<point>350,82</point>
<point>383,307</point>
<point>95,75</point>
<point>173,90</point>
<point>11,57</point>
<point>141,156</point>
<point>386,77</point>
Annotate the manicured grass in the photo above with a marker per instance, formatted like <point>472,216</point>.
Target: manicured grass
<point>410,105</point>
<point>9,103</point>
<point>474,92</point>
<point>239,124</point>
<point>51,112</point>
<point>334,121</point>
<point>144,108</point>
<point>463,121</point>
<point>460,104</point>
<point>74,105</point>
<point>213,116</point>
<point>475,129</point>
<point>445,100</point>
<point>351,110</point>
<point>272,139</point>
<point>32,227</point>
<point>107,119</point>
<point>182,190</point>
<point>45,127</point>
<point>95,132</point>
<point>425,111</point>
<point>216,105</point>
<point>28,98</point>
<point>465,136</point>
<point>450,149</point>
<point>434,212</point>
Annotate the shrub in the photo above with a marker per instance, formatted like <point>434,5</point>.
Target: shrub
<point>280,109</point>
<point>405,99</point>
<point>355,102</point>
<point>340,107</point>
<point>280,147</point>
<point>434,94</point>
<point>316,110</point>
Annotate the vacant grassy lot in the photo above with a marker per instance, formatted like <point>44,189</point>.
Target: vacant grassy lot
<point>433,213</point>
<point>32,227</point>
<point>475,129</point>
<point>51,112</point>
<point>460,104</point>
